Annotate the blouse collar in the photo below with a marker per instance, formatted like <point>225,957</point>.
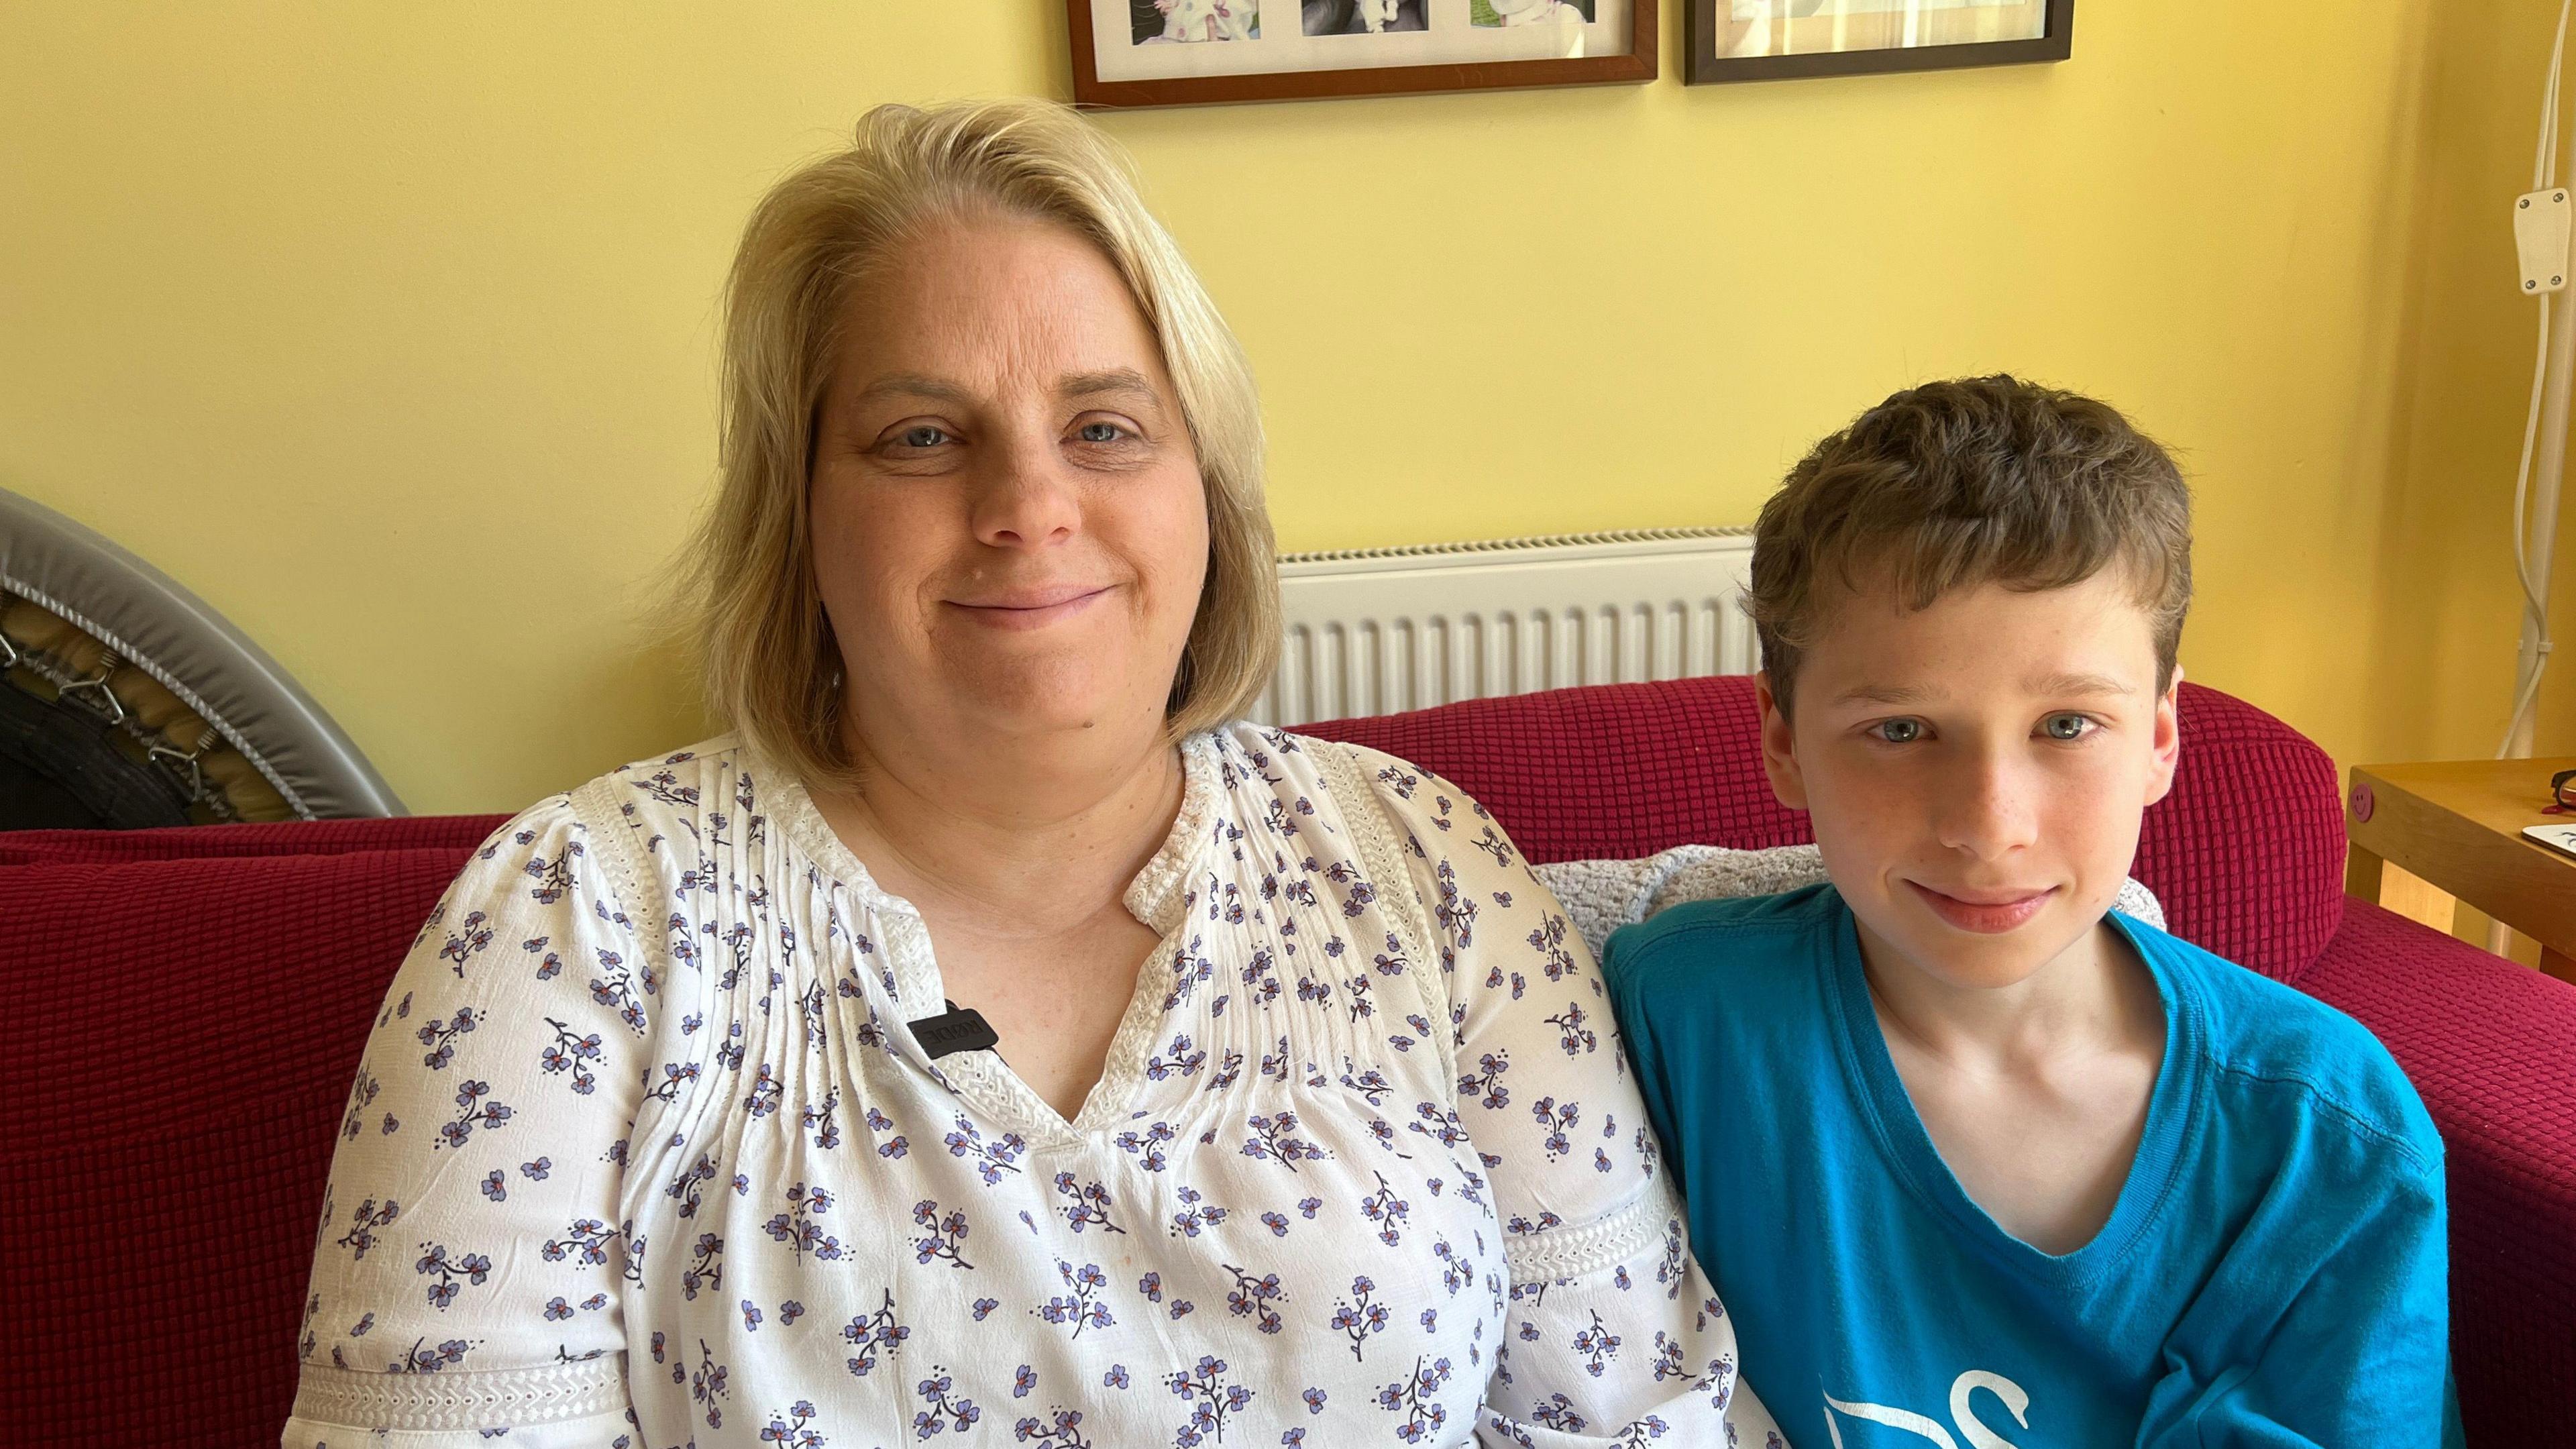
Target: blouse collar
<point>1155,897</point>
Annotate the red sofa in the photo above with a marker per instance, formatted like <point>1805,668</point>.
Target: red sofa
<point>185,1009</point>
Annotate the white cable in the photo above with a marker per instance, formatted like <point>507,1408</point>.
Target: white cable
<point>2544,175</point>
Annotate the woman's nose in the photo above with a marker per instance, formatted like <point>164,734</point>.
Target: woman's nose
<point>1024,499</point>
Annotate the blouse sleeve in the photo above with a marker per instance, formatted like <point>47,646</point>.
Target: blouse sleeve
<point>468,1271</point>
<point>1611,1333</point>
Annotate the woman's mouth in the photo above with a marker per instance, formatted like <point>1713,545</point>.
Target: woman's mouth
<point>1029,608</point>
<point>1988,913</point>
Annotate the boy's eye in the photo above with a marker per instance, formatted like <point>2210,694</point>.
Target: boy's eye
<point>2067,726</point>
<point>1898,731</point>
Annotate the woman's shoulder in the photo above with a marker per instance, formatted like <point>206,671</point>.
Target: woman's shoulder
<point>712,776</point>
<point>1291,762</point>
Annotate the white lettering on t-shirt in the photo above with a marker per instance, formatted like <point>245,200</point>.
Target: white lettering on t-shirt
<point>1970,1426</point>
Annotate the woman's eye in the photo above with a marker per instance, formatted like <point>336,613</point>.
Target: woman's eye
<point>1898,731</point>
<point>1099,432</point>
<point>923,435</point>
<point>2067,726</point>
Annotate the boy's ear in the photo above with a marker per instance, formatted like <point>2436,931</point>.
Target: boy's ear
<point>1779,753</point>
<point>2167,740</point>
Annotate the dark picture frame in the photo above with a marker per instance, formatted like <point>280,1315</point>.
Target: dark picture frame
<point>1640,63</point>
<point>1702,65</point>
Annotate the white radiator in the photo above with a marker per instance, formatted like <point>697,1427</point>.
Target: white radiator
<point>1375,631</point>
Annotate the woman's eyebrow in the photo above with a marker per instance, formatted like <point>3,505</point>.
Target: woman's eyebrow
<point>1110,382</point>
<point>913,384</point>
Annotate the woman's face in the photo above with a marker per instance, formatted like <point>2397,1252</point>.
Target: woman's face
<point>1010,531</point>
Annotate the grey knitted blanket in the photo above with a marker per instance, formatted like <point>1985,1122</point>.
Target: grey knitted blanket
<point>1600,896</point>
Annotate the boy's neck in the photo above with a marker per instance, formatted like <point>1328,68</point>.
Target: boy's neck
<point>2094,996</point>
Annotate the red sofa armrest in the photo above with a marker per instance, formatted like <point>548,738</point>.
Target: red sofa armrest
<point>2491,1048</point>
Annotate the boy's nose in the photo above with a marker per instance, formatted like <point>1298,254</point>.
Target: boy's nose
<point>1986,811</point>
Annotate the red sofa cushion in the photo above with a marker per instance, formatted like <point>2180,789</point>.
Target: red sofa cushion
<point>2491,1048</point>
<point>458,833</point>
<point>187,1008</point>
<point>177,1052</point>
<point>2246,854</point>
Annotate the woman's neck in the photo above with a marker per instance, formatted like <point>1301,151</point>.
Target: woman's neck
<point>1041,831</point>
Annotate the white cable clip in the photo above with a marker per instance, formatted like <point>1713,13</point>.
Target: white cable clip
<point>2540,230</point>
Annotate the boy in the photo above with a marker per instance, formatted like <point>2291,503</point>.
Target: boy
<point>1990,1164</point>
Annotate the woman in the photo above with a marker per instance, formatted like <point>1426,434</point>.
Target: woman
<point>1301,1119</point>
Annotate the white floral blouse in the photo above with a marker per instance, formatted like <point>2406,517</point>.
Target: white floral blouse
<point>643,1153</point>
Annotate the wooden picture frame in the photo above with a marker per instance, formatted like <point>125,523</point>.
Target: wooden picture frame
<point>1705,30</point>
<point>1484,58</point>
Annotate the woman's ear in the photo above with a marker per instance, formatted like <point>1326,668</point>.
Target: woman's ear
<point>1779,752</point>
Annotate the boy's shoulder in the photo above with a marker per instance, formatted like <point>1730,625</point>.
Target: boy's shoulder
<point>1675,946</point>
<point>2273,1048</point>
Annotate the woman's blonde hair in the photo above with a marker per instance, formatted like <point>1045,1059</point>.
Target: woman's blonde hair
<point>771,666</point>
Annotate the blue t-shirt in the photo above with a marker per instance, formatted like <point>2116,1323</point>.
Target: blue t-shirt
<point>2273,1273</point>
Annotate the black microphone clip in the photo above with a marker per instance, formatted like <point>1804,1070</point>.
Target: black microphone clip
<point>953,1031</point>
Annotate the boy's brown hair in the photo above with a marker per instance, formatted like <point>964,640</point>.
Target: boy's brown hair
<point>1955,484</point>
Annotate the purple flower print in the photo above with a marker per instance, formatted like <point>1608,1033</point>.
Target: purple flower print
<point>942,1412</point>
<point>1414,1398</point>
<point>587,1239</point>
<point>1597,1345</point>
<point>708,1385</point>
<point>1063,1431</point>
<point>991,1159</point>
<point>571,1053</point>
<point>791,1429</point>
<point>1273,1139</point>
<point>1385,1209</point>
<point>1556,1122</point>
<point>1080,1305</point>
<point>797,1227</point>
<point>874,1335</point>
<point>1252,1298</point>
<point>472,1112</point>
<point>364,1224</point>
<point>434,1263</point>
<point>941,1234</point>
<point>426,1360</point>
<point>1485,1084</point>
<point>440,1038</point>
<point>1358,1317</point>
<point>472,937</point>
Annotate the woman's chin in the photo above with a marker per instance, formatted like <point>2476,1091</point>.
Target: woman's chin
<point>1047,701</point>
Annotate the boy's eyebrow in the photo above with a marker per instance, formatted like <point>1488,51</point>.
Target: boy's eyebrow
<point>1885,694</point>
<point>2078,684</point>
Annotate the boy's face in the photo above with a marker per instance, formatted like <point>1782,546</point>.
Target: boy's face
<point>1976,770</point>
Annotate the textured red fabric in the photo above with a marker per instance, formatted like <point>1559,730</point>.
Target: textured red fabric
<point>186,1009</point>
<point>177,1050</point>
<point>2246,854</point>
<point>2491,1048</point>
<point>292,837</point>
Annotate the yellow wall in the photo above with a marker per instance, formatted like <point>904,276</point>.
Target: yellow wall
<point>389,329</point>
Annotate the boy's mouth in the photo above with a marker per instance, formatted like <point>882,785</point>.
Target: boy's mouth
<point>1988,913</point>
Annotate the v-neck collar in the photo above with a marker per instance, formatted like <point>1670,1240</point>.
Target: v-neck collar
<point>2154,1170</point>
<point>1155,896</point>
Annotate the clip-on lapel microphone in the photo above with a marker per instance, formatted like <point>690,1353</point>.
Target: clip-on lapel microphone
<point>953,1031</point>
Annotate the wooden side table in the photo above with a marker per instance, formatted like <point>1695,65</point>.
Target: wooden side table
<point>2459,826</point>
